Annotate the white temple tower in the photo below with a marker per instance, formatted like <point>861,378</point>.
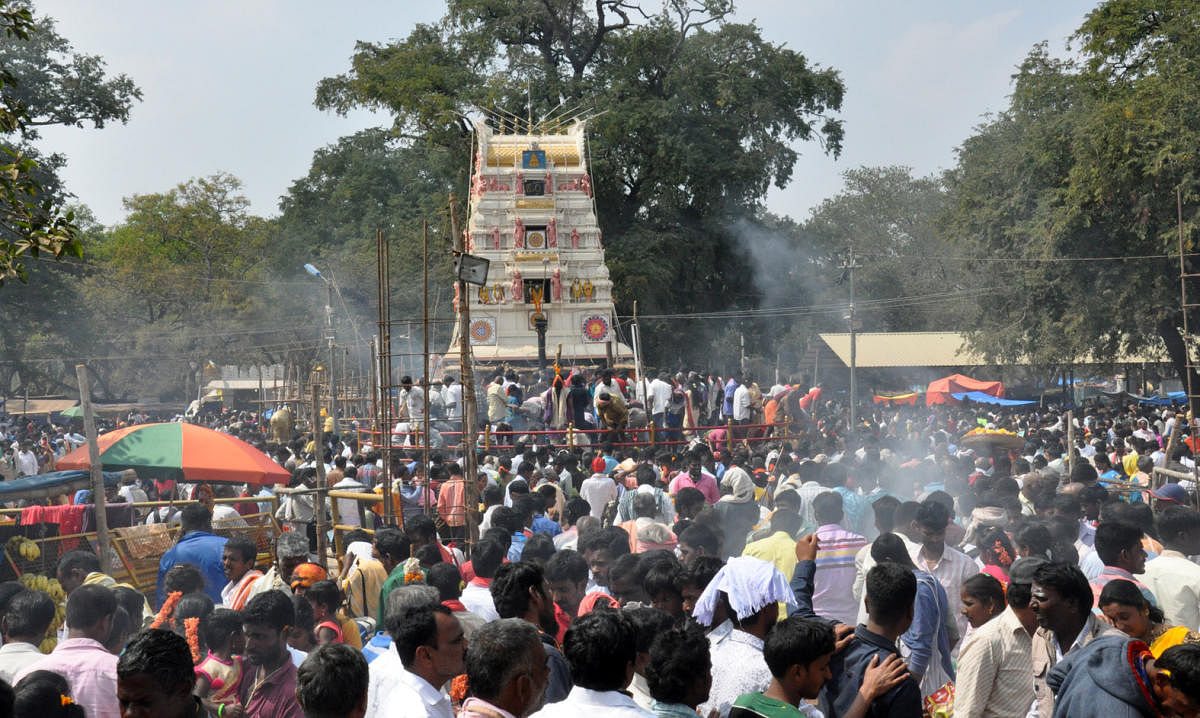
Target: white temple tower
<point>533,216</point>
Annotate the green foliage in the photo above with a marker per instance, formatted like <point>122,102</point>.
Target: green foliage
<point>697,117</point>
<point>1085,163</point>
<point>43,82</point>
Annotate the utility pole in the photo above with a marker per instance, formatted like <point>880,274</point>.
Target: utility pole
<point>852,318</point>
<point>425,335</point>
<point>330,336</point>
<point>319,499</point>
<point>467,377</point>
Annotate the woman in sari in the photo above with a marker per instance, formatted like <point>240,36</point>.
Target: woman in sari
<point>1128,610</point>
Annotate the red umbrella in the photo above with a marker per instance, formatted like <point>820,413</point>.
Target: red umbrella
<point>180,451</point>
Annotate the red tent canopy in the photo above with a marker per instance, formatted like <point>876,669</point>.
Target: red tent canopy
<point>939,391</point>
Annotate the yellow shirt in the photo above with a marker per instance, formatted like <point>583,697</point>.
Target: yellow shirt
<point>362,586</point>
<point>780,549</point>
<point>1129,463</point>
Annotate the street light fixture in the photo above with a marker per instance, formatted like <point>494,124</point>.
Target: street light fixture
<point>329,337</point>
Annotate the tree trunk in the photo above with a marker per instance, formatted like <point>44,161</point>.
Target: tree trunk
<point>1178,352</point>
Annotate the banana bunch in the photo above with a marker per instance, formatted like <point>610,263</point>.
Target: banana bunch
<point>36,582</point>
<point>55,589</point>
<point>26,549</point>
<point>60,615</point>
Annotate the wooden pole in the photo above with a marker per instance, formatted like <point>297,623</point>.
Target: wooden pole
<point>425,337</point>
<point>96,470</point>
<point>1172,442</point>
<point>1070,442</point>
<point>467,377</point>
<point>319,451</point>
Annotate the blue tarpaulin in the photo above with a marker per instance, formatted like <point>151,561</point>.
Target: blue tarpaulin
<point>55,482</point>
<point>1173,397</point>
<point>981,398</point>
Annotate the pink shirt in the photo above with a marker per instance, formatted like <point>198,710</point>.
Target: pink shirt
<point>91,671</point>
<point>707,485</point>
<point>450,503</point>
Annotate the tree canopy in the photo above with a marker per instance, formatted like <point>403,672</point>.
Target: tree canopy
<point>1069,196</point>
<point>695,117</point>
<point>43,81</point>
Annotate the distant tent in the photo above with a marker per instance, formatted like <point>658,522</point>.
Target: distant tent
<point>942,391</point>
<point>980,397</point>
<point>906,399</point>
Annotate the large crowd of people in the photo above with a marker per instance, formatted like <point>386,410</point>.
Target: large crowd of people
<point>880,569</point>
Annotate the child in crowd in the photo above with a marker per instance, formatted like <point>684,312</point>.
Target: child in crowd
<point>326,599</point>
<point>217,676</point>
<point>301,639</point>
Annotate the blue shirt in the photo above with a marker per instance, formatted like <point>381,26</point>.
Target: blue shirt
<point>379,644</point>
<point>727,404</point>
<point>203,550</point>
<point>517,547</point>
<point>543,525</point>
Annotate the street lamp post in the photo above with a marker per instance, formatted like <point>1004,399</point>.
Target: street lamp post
<point>329,338</point>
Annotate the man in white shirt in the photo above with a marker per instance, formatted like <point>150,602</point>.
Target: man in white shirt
<point>660,397</point>
<point>601,648</point>
<point>598,489</point>
<point>432,647</point>
<point>476,595</point>
<point>1171,576</point>
<point>348,513</point>
<point>25,624</point>
<point>452,398</point>
<point>25,461</point>
<point>385,671</point>
<point>948,565</point>
<point>414,400</point>
<point>741,403</point>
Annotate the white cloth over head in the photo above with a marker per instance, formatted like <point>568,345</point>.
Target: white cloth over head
<point>750,583</point>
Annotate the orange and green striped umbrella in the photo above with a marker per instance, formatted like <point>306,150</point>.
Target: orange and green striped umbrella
<point>180,451</point>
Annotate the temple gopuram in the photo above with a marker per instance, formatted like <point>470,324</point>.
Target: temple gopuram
<point>533,216</point>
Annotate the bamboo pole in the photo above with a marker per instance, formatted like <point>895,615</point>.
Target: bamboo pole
<point>319,451</point>
<point>95,468</point>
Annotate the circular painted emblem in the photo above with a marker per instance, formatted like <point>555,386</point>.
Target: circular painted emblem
<point>481,330</point>
<point>595,328</point>
<point>536,239</point>
<point>536,315</point>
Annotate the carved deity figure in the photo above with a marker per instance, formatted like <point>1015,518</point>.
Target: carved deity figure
<point>552,233</point>
<point>556,284</point>
<point>495,238</point>
<point>549,184</point>
<point>518,286</point>
<point>519,234</point>
<point>574,238</point>
<point>520,183</point>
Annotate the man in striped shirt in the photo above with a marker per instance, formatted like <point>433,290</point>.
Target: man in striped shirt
<point>833,591</point>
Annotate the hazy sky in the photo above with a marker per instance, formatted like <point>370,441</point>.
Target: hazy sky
<point>228,84</point>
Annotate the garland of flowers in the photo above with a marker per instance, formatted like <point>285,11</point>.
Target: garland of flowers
<point>1002,555</point>
<point>458,688</point>
<point>413,572</point>
<point>166,614</point>
<point>192,631</point>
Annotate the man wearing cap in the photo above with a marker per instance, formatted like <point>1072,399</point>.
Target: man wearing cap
<point>1174,579</point>
<point>598,489</point>
<point>995,665</point>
